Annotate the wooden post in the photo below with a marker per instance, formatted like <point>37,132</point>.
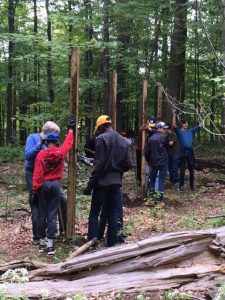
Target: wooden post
<point>113,98</point>
<point>159,102</point>
<point>72,166</point>
<point>144,121</point>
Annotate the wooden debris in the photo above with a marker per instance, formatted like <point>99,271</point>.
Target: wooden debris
<point>184,260</point>
<point>83,248</point>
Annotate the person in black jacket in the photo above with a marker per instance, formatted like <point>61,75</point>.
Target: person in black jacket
<point>112,159</point>
<point>157,157</point>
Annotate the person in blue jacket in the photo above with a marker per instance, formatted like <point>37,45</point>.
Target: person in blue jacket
<point>34,144</point>
<point>186,154</point>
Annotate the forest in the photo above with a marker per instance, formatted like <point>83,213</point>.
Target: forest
<point>177,44</point>
<point>134,59</point>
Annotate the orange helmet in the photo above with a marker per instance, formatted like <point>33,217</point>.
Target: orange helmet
<point>102,120</point>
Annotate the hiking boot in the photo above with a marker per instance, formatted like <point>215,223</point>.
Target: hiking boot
<point>36,242</point>
<point>42,248</point>
<point>159,197</point>
<point>151,194</point>
<point>51,250</point>
<point>181,189</point>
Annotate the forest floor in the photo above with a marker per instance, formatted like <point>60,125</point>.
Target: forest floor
<point>182,211</point>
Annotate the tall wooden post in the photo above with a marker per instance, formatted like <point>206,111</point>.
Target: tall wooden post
<point>72,166</point>
<point>159,102</point>
<point>144,121</point>
<point>113,98</point>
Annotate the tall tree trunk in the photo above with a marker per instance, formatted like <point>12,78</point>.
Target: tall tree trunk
<point>212,101</point>
<point>223,99</point>
<point>123,40</point>
<point>49,62</point>
<point>176,88</point>
<point>165,51</point>
<point>10,86</point>
<point>105,55</point>
<point>70,40</point>
<point>87,67</point>
<point>36,64</point>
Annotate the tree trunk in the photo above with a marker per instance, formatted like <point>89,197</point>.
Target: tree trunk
<point>177,57</point>
<point>223,99</point>
<point>122,94</point>
<point>36,63</point>
<point>49,61</point>
<point>190,260</point>
<point>105,55</point>
<point>87,69</point>
<point>10,85</point>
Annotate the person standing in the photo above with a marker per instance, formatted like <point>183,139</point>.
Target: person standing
<point>186,154</point>
<point>34,144</point>
<point>157,157</point>
<point>173,155</point>
<point>112,159</point>
<point>48,169</point>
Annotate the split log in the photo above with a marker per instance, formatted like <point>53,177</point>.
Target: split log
<point>185,260</point>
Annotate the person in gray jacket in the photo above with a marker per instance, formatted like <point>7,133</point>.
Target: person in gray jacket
<point>112,159</point>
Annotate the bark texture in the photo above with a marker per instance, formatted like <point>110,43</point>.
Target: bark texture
<point>191,260</point>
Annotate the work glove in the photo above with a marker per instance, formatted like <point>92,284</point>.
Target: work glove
<point>71,122</point>
<point>88,189</point>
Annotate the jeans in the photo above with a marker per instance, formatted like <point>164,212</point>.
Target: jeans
<point>110,198</point>
<point>63,205</point>
<point>187,155</point>
<point>162,176</point>
<point>48,208</point>
<point>33,204</point>
<point>173,168</point>
<point>103,221</point>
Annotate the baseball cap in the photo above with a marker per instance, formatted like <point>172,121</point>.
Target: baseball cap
<point>152,121</point>
<point>52,137</point>
<point>162,125</point>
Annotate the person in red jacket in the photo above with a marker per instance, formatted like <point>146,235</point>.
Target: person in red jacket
<point>48,169</point>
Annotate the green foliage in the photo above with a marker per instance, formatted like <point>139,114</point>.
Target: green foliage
<point>142,297</point>
<point>11,154</point>
<point>216,222</point>
<point>157,212</point>
<point>188,222</point>
<point>177,295</point>
<point>16,275</point>
<point>79,297</point>
<point>220,295</point>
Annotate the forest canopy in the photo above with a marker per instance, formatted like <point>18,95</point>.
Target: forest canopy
<point>178,43</point>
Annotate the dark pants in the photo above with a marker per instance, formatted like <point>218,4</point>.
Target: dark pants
<point>48,208</point>
<point>162,176</point>
<point>187,156</point>
<point>103,221</point>
<point>138,166</point>
<point>173,168</point>
<point>34,206</point>
<point>110,198</point>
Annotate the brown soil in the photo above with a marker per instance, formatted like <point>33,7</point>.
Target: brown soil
<point>181,211</point>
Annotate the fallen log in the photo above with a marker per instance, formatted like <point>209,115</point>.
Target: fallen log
<point>183,260</point>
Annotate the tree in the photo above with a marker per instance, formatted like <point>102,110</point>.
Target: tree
<point>176,73</point>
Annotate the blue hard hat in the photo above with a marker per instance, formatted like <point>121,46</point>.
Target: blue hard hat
<point>52,137</point>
